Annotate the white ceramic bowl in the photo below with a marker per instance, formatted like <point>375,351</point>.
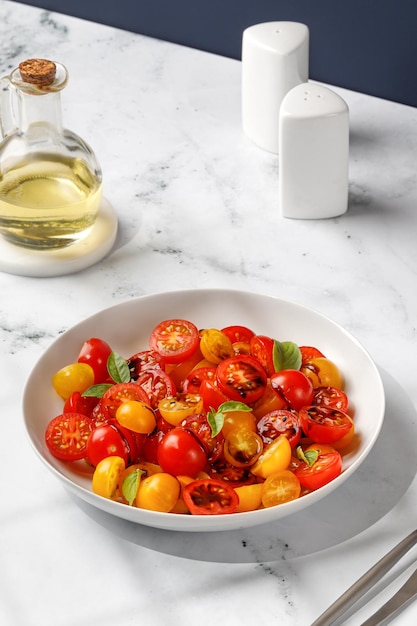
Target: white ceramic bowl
<point>126,327</point>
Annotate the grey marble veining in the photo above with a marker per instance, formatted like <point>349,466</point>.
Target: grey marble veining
<point>197,207</point>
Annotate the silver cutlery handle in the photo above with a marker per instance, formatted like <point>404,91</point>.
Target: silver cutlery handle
<point>396,604</point>
<point>368,580</point>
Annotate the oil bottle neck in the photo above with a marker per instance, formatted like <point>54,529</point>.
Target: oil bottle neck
<point>36,111</point>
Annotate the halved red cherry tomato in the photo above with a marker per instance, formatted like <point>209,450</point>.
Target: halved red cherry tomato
<point>66,436</point>
<point>294,387</point>
<point>238,334</point>
<point>181,453</point>
<point>192,382</point>
<point>324,424</point>
<point>175,340</point>
<point>143,361</point>
<point>77,403</point>
<point>262,347</point>
<point>281,422</point>
<point>210,497</point>
<point>331,397</point>
<point>95,352</point>
<point>327,467</point>
<point>118,393</point>
<point>199,425</point>
<point>157,385</point>
<point>230,474</point>
<point>241,378</point>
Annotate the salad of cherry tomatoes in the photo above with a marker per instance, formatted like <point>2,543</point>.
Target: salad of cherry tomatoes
<point>203,422</point>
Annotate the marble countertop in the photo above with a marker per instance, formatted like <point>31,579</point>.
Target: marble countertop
<point>197,204</point>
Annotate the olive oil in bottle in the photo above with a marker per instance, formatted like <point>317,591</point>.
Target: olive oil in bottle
<point>49,202</point>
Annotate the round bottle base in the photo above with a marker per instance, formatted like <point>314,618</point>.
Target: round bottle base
<point>78,256</point>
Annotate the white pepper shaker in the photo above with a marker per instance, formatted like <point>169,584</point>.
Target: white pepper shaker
<point>314,153</point>
<point>275,58</point>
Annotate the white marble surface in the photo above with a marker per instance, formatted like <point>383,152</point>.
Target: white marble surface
<point>197,206</point>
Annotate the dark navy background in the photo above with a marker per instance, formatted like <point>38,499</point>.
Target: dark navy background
<point>364,45</point>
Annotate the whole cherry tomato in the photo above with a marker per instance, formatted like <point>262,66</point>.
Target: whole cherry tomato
<point>294,387</point>
<point>72,377</point>
<point>158,492</point>
<point>95,352</point>
<point>181,453</point>
<point>212,396</point>
<point>107,440</point>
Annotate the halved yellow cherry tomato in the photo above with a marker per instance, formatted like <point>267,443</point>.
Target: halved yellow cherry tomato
<point>215,345</point>
<point>158,492</point>
<point>275,457</point>
<point>323,373</point>
<point>107,475</point>
<point>174,409</point>
<point>280,487</point>
<point>242,447</point>
<point>71,378</point>
<point>250,497</point>
<point>137,416</point>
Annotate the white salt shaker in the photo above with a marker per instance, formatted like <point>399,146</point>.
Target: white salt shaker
<point>314,153</point>
<point>275,58</point>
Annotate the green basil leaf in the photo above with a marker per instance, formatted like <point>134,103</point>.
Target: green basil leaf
<point>277,356</point>
<point>118,368</point>
<point>96,391</point>
<point>286,355</point>
<point>216,421</point>
<point>309,456</point>
<point>130,485</point>
<point>232,405</point>
<point>292,355</point>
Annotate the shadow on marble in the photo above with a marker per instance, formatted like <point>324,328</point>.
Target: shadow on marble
<point>360,502</point>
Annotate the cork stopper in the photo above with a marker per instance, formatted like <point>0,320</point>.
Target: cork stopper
<point>40,72</point>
